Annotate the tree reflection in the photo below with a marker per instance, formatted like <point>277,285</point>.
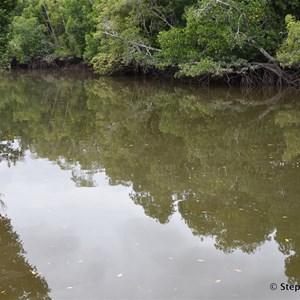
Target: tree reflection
<point>18,280</point>
<point>9,151</point>
<point>228,163</point>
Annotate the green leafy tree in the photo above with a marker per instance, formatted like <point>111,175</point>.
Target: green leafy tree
<point>219,35</point>
<point>289,52</point>
<point>42,29</point>
<point>29,39</point>
<point>126,32</point>
<point>6,11</point>
<point>74,14</point>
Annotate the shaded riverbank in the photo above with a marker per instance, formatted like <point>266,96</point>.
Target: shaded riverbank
<point>250,75</point>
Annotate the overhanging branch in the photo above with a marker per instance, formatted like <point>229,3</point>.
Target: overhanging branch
<point>131,42</point>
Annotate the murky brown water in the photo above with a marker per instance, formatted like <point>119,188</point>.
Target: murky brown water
<point>124,189</point>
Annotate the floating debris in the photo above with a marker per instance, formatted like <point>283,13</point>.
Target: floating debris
<point>120,275</point>
<point>218,280</point>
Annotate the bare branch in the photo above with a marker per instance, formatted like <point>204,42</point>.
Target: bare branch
<point>161,16</point>
<point>269,57</point>
<point>50,24</point>
<point>131,42</point>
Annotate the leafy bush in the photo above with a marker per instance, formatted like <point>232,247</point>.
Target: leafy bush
<point>289,52</point>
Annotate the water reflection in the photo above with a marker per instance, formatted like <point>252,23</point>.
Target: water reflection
<point>228,162</point>
<point>18,279</point>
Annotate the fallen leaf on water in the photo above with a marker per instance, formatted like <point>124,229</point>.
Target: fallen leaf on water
<point>238,270</point>
<point>218,280</point>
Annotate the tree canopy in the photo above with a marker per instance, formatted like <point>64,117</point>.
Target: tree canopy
<point>193,37</point>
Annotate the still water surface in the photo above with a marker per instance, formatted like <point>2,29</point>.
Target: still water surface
<point>137,189</point>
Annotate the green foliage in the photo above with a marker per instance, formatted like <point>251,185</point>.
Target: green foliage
<point>74,14</point>
<point>41,28</point>
<point>126,32</point>
<point>283,7</point>
<point>204,66</point>
<point>219,33</point>
<point>198,37</point>
<point>6,9</point>
<point>118,36</point>
<point>29,39</point>
<point>289,52</point>
<point>178,46</point>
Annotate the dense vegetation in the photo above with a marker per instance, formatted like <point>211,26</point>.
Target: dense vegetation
<point>190,38</point>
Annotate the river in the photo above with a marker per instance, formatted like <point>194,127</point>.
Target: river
<point>126,188</point>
